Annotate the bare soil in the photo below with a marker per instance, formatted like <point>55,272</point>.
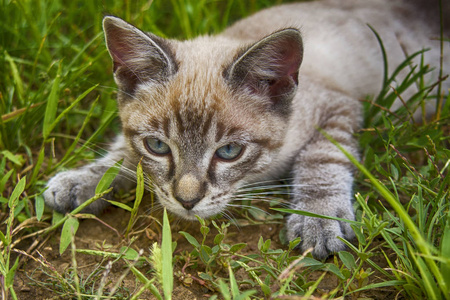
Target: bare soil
<point>94,235</point>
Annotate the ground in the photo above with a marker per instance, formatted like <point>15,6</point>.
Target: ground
<point>94,235</point>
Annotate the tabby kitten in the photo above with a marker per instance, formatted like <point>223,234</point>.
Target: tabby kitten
<point>211,115</point>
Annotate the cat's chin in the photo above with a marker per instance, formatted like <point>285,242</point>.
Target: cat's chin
<point>190,215</point>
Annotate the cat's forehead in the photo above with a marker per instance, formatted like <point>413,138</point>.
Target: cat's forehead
<point>205,53</point>
<point>198,113</point>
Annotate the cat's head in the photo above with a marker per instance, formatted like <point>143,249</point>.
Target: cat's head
<point>206,115</point>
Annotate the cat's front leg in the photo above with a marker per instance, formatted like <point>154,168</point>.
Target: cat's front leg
<point>69,189</point>
<point>325,190</point>
<point>323,180</point>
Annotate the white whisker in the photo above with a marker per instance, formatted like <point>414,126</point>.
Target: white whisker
<point>249,207</point>
<point>227,214</point>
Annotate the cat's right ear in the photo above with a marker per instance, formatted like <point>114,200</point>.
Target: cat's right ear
<point>269,68</point>
<point>138,57</point>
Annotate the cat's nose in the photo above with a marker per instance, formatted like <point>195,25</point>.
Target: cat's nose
<point>189,191</point>
<point>188,204</point>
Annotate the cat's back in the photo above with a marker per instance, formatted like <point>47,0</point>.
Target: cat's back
<point>340,48</point>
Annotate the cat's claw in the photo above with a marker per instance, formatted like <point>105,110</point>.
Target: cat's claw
<point>318,234</point>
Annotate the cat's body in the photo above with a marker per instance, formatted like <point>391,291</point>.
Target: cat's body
<point>211,115</point>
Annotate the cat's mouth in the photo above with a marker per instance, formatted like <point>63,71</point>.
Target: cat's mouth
<point>203,208</point>
<point>190,214</point>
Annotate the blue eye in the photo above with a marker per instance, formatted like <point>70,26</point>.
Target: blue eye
<point>156,146</point>
<point>229,152</point>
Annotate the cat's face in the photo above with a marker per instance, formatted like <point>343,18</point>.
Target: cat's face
<point>198,149</point>
<point>204,118</point>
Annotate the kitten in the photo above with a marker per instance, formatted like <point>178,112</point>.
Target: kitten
<point>209,116</point>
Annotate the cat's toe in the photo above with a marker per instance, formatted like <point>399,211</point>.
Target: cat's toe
<point>68,190</point>
<point>320,235</point>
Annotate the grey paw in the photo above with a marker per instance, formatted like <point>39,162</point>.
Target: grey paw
<point>68,190</point>
<point>320,234</point>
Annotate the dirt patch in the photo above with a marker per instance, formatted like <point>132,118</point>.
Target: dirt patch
<point>93,235</point>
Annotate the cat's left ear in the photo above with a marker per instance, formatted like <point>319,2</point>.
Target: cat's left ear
<point>269,67</point>
<point>138,57</point>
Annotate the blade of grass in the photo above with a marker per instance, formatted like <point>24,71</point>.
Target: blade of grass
<point>4,179</point>
<point>39,205</point>
<point>224,290</point>
<point>445,250</point>
<point>385,60</point>
<point>37,166</point>
<point>313,287</point>
<point>69,229</point>
<point>310,214</point>
<point>233,284</point>
<point>16,77</point>
<point>18,190</point>
<point>105,254</point>
<point>121,205</point>
<point>70,107</point>
<point>52,105</point>
<point>140,187</point>
<point>166,249</point>
<point>108,177</point>
<point>148,284</point>
<point>378,285</point>
<point>18,112</point>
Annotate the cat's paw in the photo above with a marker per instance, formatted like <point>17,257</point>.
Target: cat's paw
<point>321,234</point>
<point>68,190</point>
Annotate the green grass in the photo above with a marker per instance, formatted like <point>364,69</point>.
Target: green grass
<point>57,108</point>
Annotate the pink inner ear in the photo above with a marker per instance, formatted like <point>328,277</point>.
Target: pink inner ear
<point>290,59</point>
<point>120,50</point>
<point>120,53</point>
<point>287,56</point>
<point>292,69</point>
